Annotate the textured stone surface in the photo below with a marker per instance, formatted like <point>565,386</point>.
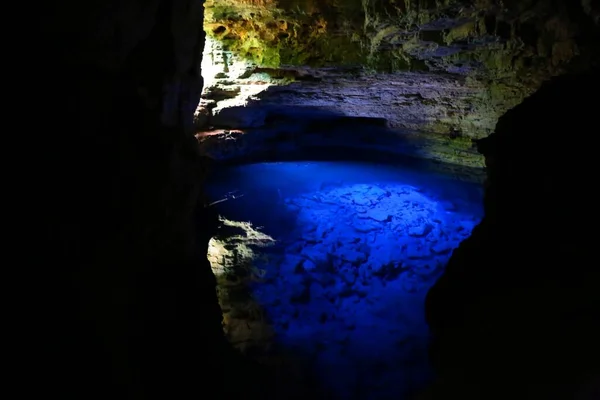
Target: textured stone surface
<point>266,111</point>
<point>447,104</point>
<point>445,67</point>
<point>494,38</point>
<point>414,101</point>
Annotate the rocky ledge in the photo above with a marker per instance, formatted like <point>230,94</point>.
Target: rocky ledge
<point>424,70</point>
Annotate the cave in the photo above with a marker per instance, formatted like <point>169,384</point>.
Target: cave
<point>301,199</point>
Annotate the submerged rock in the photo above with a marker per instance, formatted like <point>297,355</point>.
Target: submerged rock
<point>348,278</point>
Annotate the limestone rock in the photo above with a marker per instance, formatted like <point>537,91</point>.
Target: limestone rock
<point>238,117</point>
<point>473,61</point>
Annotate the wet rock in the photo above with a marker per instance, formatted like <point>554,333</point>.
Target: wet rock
<point>416,251</point>
<point>316,253</point>
<point>379,215</point>
<point>448,206</point>
<point>426,269</point>
<point>365,225</point>
<point>301,294</point>
<point>309,265</point>
<point>420,230</point>
<point>323,230</point>
<point>348,276</point>
<point>290,264</point>
<point>442,247</point>
<point>410,282</point>
<point>354,257</point>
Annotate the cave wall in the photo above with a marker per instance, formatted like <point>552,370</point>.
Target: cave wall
<point>448,68</point>
<point>517,310</point>
<point>524,41</point>
<point>125,298</point>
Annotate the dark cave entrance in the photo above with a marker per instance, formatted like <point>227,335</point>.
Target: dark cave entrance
<point>323,265</point>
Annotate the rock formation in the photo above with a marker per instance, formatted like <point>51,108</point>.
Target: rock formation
<point>518,309</point>
<point>125,303</point>
<point>432,71</point>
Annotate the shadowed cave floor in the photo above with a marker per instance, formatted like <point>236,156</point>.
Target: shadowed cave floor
<point>323,267</point>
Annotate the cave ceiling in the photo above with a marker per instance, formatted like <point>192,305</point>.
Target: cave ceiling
<point>448,67</point>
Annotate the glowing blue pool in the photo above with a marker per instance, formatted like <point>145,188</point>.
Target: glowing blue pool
<point>335,259</point>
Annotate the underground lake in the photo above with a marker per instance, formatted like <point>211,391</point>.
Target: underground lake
<point>325,264</point>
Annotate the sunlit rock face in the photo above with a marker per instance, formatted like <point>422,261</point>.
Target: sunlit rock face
<point>432,68</point>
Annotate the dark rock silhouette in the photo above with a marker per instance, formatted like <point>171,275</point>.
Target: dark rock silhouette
<point>517,311</point>
<point>126,304</point>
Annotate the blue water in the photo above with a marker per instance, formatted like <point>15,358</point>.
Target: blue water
<point>338,258</point>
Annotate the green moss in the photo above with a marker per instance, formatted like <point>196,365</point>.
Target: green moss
<point>305,32</point>
<point>274,37</point>
<point>376,35</point>
<point>461,32</point>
